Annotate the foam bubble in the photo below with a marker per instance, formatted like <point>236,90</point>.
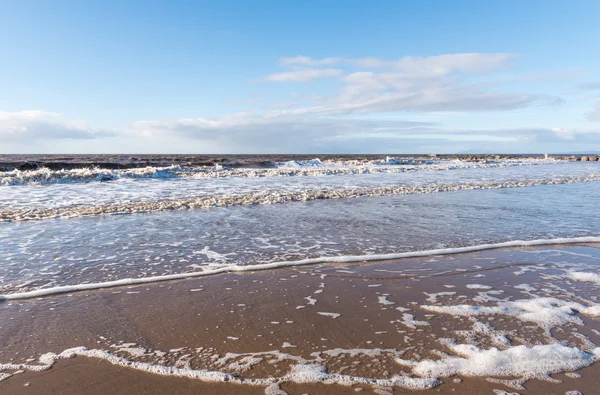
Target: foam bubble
<point>546,312</point>
<point>478,286</point>
<point>584,276</point>
<point>409,321</point>
<point>384,300</point>
<point>274,389</point>
<point>202,200</point>
<point>525,287</point>
<point>310,261</point>
<point>314,167</point>
<point>433,297</point>
<point>332,315</point>
<point>528,362</point>
<point>302,371</point>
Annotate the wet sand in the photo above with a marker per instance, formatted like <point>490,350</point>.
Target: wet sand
<point>275,319</point>
<point>92,377</point>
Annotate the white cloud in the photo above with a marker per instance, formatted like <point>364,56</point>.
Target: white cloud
<point>552,76</point>
<point>346,120</point>
<point>440,64</point>
<point>374,94</point>
<point>432,65</point>
<point>284,132</point>
<point>239,124</point>
<point>590,86</point>
<point>564,133</point>
<point>308,61</point>
<point>377,93</point>
<point>302,75</point>
<point>32,125</point>
<point>594,115</point>
<point>425,84</point>
<point>276,132</point>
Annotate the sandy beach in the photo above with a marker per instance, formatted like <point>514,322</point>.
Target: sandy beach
<point>362,324</point>
<point>299,197</point>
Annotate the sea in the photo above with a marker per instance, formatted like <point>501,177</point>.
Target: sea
<point>85,221</point>
<point>397,271</point>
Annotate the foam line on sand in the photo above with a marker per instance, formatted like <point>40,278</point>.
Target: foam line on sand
<point>310,261</point>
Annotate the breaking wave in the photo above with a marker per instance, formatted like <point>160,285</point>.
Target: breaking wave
<point>310,261</point>
<point>314,167</point>
<point>267,197</point>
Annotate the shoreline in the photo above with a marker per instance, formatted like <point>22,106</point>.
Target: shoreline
<point>246,317</point>
<point>133,161</point>
<point>310,261</point>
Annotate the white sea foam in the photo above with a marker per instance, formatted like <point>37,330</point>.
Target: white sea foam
<point>303,371</point>
<point>527,362</point>
<point>409,321</point>
<point>353,352</point>
<point>586,277</point>
<point>545,312</point>
<point>478,286</point>
<point>332,315</point>
<point>314,167</point>
<point>311,301</point>
<point>502,392</point>
<point>45,175</point>
<point>310,261</point>
<point>497,337</point>
<point>525,287</point>
<point>592,311</point>
<point>201,199</point>
<point>433,297</point>
<point>384,300</point>
<point>274,389</point>
<point>486,296</point>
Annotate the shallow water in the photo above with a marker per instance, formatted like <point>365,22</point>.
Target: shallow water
<point>516,314</point>
<point>50,253</point>
<point>153,191</point>
<point>511,317</point>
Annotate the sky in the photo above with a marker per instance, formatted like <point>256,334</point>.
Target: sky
<point>299,76</point>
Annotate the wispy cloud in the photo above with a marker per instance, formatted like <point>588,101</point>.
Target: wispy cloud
<point>436,65</point>
<point>277,132</point>
<point>594,115</point>
<point>440,64</point>
<point>551,76</point>
<point>303,75</point>
<point>288,133</point>
<point>372,108</point>
<point>590,86</point>
<point>27,125</point>
<point>308,61</point>
<point>425,84</point>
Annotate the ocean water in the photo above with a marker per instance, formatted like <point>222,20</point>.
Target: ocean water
<point>508,316</point>
<point>67,228</point>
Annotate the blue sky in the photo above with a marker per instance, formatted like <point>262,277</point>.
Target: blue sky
<point>299,76</point>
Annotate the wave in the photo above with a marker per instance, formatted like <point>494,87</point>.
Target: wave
<point>267,197</point>
<point>310,261</point>
<point>302,372</point>
<point>314,167</point>
<point>537,361</point>
<point>45,175</point>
